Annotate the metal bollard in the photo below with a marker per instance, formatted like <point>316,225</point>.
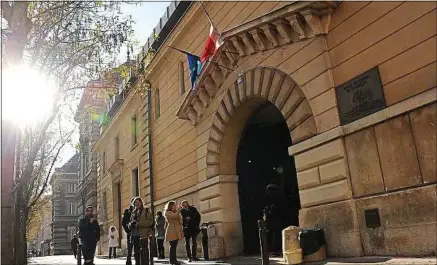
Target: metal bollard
<point>204,231</point>
<point>144,251</point>
<point>79,254</point>
<point>152,249</point>
<point>263,243</point>
<point>129,250</point>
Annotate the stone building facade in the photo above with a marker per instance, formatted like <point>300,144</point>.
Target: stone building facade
<point>93,101</point>
<point>64,212</point>
<point>366,175</point>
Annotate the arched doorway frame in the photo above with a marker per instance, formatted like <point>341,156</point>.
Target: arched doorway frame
<point>250,90</point>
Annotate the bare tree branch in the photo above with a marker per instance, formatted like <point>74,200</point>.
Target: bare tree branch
<point>49,172</point>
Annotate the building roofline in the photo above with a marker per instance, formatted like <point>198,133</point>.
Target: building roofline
<point>167,23</point>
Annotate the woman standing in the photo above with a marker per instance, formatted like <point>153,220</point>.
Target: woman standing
<point>160,234</point>
<point>113,242</point>
<point>173,232</point>
<point>141,227</point>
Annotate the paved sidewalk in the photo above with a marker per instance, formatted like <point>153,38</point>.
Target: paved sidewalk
<point>240,260</point>
<point>340,261</point>
<point>69,260</point>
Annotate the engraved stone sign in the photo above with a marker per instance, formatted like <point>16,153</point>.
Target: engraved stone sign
<point>361,96</point>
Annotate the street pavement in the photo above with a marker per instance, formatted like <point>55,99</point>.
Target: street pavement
<point>70,260</point>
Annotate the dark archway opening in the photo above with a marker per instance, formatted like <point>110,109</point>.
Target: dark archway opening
<point>263,159</point>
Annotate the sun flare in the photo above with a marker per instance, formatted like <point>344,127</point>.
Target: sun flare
<point>27,95</point>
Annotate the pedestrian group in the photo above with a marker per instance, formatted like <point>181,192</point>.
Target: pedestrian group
<point>171,225</point>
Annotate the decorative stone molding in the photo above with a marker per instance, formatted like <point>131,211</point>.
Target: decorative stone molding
<point>115,170</point>
<point>291,102</point>
<point>294,22</point>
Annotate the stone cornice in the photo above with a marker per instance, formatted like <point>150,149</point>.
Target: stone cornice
<point>162,52</point>
<point>289,24</point>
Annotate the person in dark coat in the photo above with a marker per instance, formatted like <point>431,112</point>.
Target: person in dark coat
<point>274,215</point>
<point>191,227</point>
<point>125,222</point>
<point>89,234</point>
<point>74,242</point>
<point>160,233</point>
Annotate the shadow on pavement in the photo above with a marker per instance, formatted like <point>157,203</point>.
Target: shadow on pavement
<point>367,260</point>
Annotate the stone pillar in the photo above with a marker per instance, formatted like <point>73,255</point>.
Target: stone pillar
<point>326,197</point>
<point>219,204</point>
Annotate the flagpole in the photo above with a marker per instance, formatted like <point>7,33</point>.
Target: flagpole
<point>218,33</point>
<point>185,52</point>
<point>209,18</point>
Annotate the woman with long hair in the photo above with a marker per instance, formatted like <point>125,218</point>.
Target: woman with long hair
<point>141,227</point>
<point>173,231</point>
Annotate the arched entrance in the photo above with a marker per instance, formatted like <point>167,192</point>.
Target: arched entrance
<point>262,160</point>
<point>258,96</point>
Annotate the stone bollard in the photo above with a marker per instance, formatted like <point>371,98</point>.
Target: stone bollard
<point>290,238</point>
<point>144,251</point>
<point>263,243</point>
<point>79,254</point>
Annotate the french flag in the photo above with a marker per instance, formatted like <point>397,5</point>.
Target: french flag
<point>212,44</point>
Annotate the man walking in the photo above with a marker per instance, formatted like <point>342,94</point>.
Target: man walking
<point>125,222</point>
<point>74,242</point>
<point>191,225</point>
<point>89,234</point>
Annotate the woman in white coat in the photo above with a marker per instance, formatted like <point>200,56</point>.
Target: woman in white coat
<point>113,242</point>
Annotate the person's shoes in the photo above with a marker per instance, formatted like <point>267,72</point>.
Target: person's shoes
<point>196,259</point>
<point>190,260</point>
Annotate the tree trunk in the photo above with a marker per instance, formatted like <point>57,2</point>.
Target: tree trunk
<point>19,26</point>
<point>20,219</point>
<point>24,234</point>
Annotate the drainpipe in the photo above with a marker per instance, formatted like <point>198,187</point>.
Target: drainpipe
<point>149,137</point>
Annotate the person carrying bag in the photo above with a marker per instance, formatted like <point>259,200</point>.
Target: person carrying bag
<point>141,226</point>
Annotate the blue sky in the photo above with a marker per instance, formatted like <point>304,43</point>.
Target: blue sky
<point>146,16</point>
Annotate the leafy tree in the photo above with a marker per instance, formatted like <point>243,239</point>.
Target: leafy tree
<point>37,213</point>
<point>71,42</point>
